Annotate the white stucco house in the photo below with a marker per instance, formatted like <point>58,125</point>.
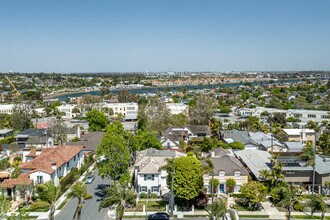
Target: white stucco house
<point>50,164</point>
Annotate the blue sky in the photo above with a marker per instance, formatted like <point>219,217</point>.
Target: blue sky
<point>164,35</point>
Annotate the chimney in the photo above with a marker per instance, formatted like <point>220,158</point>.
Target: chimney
<point>25,152</point>
<point>54,167</point>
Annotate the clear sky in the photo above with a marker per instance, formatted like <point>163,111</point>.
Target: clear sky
<point>164,35</point>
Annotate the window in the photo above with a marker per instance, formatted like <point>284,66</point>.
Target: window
<point>40,179</point>
<point>237,175</point>
<point>143,189</point>
<point>297,115</point>
<point>325,116</point>
<point>311,116</point>
<point>68,164</point>
<point>130,108</point>
<point>290,172</point>
<point>222,175</point>
<point>74,159</point>
<point>154,188</point>
<point>149,177</point>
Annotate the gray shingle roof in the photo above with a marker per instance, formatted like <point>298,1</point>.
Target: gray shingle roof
<point>228,164</point>
<point>322,164</point>
<point>239,136</point>
<point>90,140</point>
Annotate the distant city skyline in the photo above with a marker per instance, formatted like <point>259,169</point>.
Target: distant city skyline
<point>169,35</point>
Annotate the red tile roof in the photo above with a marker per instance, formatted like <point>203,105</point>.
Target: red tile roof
<point>22,179</point>
<point>33,153</point>
<point>59,155</point>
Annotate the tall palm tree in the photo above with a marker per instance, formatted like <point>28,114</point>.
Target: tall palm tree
<point>79,191</point>
<point>49,192</point>
<point>274,176</point>
<point>119,195</point>
<point>219,209</point>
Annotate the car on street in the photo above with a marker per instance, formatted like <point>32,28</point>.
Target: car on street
<point>90,179</point>
<point>159,216</point>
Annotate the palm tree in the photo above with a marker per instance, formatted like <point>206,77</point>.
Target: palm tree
<point>219,208</point>
<point>317,204</point>
<point>119,195</point>
<point>274,176</point>
<point>290,198</point>
<point>79,191</point>
<point>308,155</point>
<point>49,192</point>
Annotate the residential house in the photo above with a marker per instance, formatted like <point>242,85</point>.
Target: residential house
<point>177,108</point>
<point>172,135</point>
<point>19,188</point>
<point>128,110</point>
<point>255,161</point>
<point>6,133</point>
<point>50,164</point>
<point>267,142</point>
<point>73,132</point>
<point>34,138</point>
<point>243,137</point>
<point>294,146</point>
<point>322,169</point>
<point>225,167</point>
<point>6,109</point>
<point>301,135</point>
<point>89,140</point>
<point>149,172</point>
<point>67,110</point>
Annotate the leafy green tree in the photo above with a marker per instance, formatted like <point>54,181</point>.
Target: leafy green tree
<point>16,172</point>
<point>97,121</point>
<point>4,206</point>
<point>253,193</point>
<point>115,151</point>
<point>225,109</point>
<point>230,183</point>
<point>236,145</point>
<point>216,126</point>
<point>317,203</point>
<point>48,192</point>
<point>180,119</point>
<point>324,142</point>
<point>245,95</point>
<point>22,116</point>
<point>188,178</point>
<point>4,164</point>
<point>119,195</point>
<point>215,184</point>
<point>21,214</point>
<point>79,191</point>
<point>5,121</point>
<point>145,139</point>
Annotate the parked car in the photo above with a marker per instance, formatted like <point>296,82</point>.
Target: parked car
<point>90,179</point>
<point>159,216</point>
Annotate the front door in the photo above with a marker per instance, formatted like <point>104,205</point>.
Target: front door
<point>222,188</point>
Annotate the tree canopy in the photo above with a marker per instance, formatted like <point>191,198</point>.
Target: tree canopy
<point>97,121</point>
<point>188,179</point>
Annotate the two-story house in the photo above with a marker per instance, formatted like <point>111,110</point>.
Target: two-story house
<point>150,174</point>
<point>301,135</point>
<point>34,138</point>
<point>172,135</point>
<point>225,167</point>
<point>50,164</point>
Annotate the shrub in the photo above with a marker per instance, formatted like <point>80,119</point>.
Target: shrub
<point>298,207</point>
<point>154,195</point>
<point>143,195</point>
<point>39,206</point>
<point>69,179</point>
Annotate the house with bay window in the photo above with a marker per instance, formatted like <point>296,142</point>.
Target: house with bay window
<point>150,174</point>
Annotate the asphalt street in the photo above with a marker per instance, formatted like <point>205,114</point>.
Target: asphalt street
<point>90,210</point>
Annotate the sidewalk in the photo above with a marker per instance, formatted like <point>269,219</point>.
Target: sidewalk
<point>272,211</point>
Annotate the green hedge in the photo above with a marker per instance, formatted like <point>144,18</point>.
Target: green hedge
<point>7,140</point>
<point>39,206</point>
<point>69,179</point>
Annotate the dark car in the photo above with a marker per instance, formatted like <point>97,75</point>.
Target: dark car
<point>159,216</point>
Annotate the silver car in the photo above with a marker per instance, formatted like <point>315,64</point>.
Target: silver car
<point>90,179</point>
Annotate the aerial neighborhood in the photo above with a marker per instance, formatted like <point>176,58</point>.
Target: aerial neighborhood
<point>254,149</point>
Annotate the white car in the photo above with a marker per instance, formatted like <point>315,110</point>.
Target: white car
<point>90,179</point>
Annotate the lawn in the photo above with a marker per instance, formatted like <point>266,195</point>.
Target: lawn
<point>150,206</point>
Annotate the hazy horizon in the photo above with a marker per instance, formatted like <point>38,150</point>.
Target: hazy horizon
<point>187,35</point>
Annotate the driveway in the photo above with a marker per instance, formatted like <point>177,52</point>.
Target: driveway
<point>90,210</point>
